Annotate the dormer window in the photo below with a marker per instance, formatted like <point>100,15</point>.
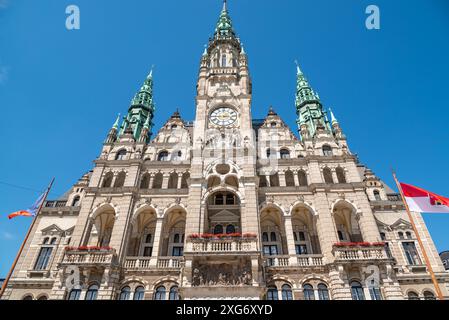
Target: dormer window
<point>273,124</point>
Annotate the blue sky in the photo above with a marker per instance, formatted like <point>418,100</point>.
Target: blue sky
<point>60,90</point>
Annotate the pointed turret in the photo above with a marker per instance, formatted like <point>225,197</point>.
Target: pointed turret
<point>112,135</point>
<point>336,126</point>
<point>309,108</point>
<point>224,29</point>
<point>141,110</point>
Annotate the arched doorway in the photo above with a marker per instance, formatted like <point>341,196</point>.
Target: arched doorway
<point>143,233</point>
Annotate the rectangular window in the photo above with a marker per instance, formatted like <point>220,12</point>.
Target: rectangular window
<point>270,250</point>
<point>43,258</point>
<point>147,251</point>
<point>301,249</point>
<point>178,251</point>
<point>375,293</point>
<point>411,253</point>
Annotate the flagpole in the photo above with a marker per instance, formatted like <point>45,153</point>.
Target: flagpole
<point>421,245</point>
<point>5,283</point>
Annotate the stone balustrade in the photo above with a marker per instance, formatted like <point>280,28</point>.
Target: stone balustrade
<point>354,254</point>
<point>223,246</point>
<point>297,261</point>
<point>152,263</point>
<point>89,258</point>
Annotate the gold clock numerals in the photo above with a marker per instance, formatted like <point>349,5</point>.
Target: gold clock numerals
<point>223,117</point>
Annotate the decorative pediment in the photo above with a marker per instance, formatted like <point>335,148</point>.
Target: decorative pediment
<point>401,224</point>
<point>225,216</point>
<point>52,230</point>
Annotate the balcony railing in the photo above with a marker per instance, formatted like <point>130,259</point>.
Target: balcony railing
<point>89,258</point>
<point>294,261</point>
<point>223,246</point>
<point>368,253</point>
<point>152,263</point>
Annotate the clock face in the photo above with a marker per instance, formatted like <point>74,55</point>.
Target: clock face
<point>224,117</point>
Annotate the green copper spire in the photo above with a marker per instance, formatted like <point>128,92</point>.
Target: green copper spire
<point>142,109</point>
<point>308,106</point>
<point>117,122</point>
<point>224,28</point>
<point>333,119</point>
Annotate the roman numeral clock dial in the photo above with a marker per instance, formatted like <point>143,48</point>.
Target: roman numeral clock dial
<point>223,117</point>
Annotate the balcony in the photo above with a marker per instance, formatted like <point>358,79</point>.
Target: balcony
<point>351,253</point>
<point>153,263</point>
<point>221,246</point>
<point>88,258</point>
<point>299,261</point>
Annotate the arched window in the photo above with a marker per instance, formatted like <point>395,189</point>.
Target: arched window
<point>145,182</point>
<point>74,294</point>
<point>273,237</point>
<point>289,179</point>
<point>176,238</point>
<point>327,174</point>
<point>43,297</point>
<point>76,201</point>
<point>125,293</point>
<point>230,229</point>
<point>413,296</point>
<point>121,155</point>
<point>265,237</point>
<point>408,234</point>
<point>219,200</point>
<point>139,293</point>
<point>302,177</point>
<point>341,177</point>
<point>174,293</point>
<point>230,199</point>
<point>383,236</point>
<point>341,235</point>
<point>107,180</point>
<point>28,297</point>
<point>377,195</point>
<point>53,240</point>
<point>327,151</point>
<point>157,181</point>
<point>163,156</point>
<point>176,156</point>
<point>92,292</point>
<point>375,293</point>
<point>274,180</point>
<point>160,293</point>
<point>173,181</point>
<point>45,241</point>
<point>273,124</point>
<point>120,180</point>
<point>323,292</point>
<point>272,293</point>
<point>184,181</point>
<point>223,61</point>
<point>271,154</point>
<point>218,229</point>
<point>285,154</point>
<point>174,127</point>
<point>401,235</point>
<point>309,293</point>
<point>428,295</point>
<point>357,291</point>
<point>287,292</point>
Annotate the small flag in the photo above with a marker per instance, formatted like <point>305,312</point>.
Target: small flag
<point>32,211</point>
<point>420,200</point>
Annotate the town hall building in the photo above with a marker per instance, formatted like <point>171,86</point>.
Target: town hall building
<point>226,207</point>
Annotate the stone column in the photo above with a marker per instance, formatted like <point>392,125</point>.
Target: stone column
<point>165,181</point>
<point>282,182</point>
<point>290,240</point>
<point>158,238</point>
<point>295,177</point>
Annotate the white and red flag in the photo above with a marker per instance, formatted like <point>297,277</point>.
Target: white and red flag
<point>420,200</point>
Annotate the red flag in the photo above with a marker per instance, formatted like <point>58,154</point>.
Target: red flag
<point>420,200</point>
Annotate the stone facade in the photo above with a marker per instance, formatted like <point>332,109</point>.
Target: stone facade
<point>226,207</point>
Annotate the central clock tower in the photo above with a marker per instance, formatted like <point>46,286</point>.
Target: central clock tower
<point>224,147</point>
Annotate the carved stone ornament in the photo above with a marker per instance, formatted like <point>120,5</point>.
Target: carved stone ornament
<point>221,275</point>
